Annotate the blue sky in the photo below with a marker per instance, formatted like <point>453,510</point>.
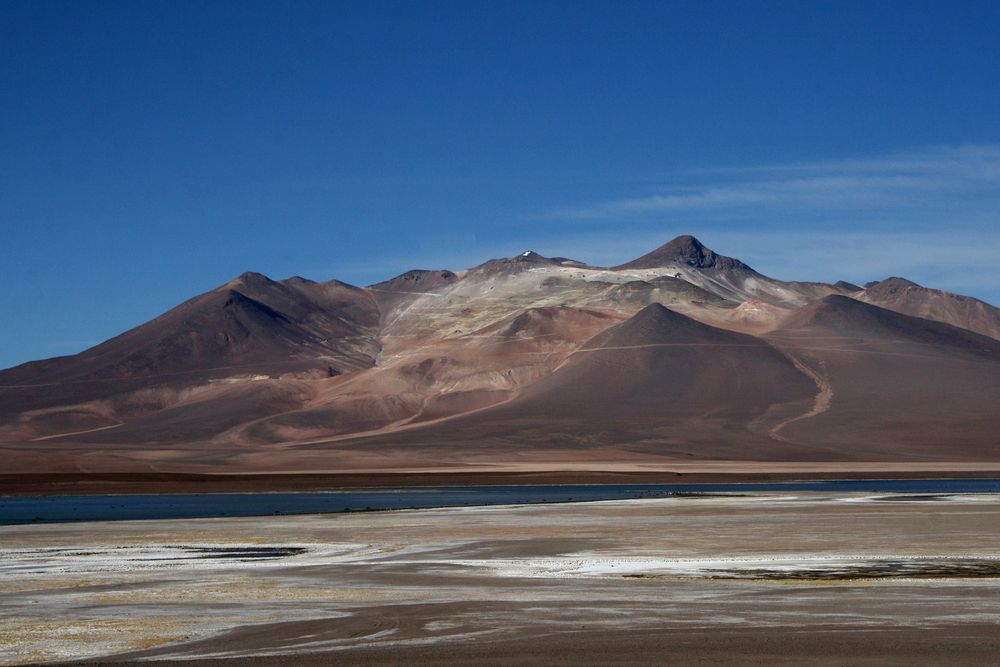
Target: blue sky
<point>152,150</point>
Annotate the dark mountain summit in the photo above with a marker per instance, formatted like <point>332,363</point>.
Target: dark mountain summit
<point>528,259</point>
<point>657,324</point>
<point>890,285</point>
<point>685,251</point>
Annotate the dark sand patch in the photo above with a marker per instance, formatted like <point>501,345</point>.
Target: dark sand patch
<point>782,645</point>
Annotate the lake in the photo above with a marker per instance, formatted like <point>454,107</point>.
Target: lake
<point>59,509</point>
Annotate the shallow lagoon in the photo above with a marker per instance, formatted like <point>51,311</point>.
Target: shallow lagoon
<point>56,509</point>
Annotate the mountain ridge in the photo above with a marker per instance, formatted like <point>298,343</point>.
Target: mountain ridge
<point>430,361</point>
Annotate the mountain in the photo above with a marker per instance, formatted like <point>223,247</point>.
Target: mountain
<point>659,382</point>
<point>681,354</point>
<point>250,327</point>
<point>251,322</point>
<point>909,298</point>
<point>893,386</point>
<point>685,251</point>
<point>418,281</point>
<point>686,258</point>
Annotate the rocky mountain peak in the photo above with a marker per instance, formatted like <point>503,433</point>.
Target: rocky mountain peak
<point>687,251</point>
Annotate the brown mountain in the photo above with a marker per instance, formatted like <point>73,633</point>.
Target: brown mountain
<point>659,382</point>
<point>682,354</point>
<point>907,297</point>
<point>894,387</point>
<point>251,327</point>
<point>250,323</point>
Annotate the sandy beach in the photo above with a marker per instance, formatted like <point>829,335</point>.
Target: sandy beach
<point>752,579</point>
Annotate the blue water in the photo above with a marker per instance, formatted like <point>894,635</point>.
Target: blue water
<point>57,509</point>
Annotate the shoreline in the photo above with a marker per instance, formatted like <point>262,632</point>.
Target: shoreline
<point>116,483</point>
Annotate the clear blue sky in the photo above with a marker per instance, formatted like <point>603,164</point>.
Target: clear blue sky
<point>152,150</point>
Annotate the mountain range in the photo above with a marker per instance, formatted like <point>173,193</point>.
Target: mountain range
<point>679,355</point>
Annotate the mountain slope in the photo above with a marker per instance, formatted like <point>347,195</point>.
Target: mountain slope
<point>908,298</point>
<point>659,383</point>
<point>248,327</point>
<point>900,387</point>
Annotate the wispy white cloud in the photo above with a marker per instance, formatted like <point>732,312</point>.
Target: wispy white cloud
<point>932,215</point>
<point>976,160</point>
<point>939,260</point>
<point>966,263</point>
<point>904,183</point>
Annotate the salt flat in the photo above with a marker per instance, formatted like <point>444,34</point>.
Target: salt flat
<point>750,578</point>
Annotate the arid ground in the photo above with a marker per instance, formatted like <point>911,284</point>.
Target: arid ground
<point>767,578</point>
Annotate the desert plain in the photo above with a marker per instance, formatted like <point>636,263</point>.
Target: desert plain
<point>763,578</point>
